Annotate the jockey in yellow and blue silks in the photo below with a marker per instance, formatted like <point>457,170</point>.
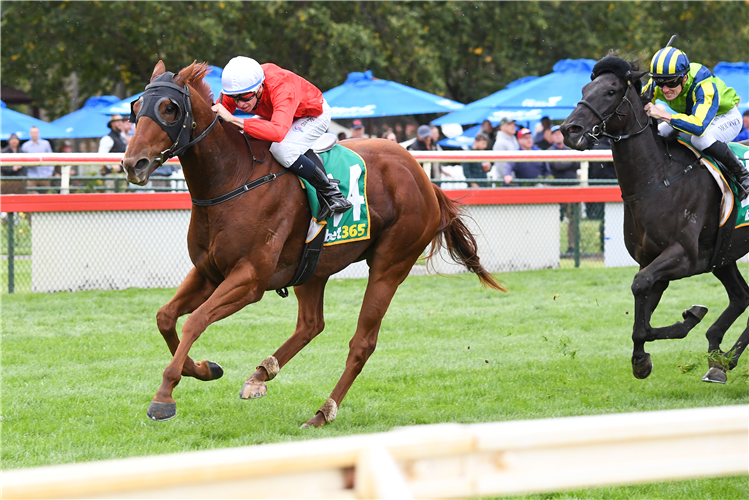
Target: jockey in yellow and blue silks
<point>706,108</point>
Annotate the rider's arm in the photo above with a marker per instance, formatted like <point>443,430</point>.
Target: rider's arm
<point>285,104</point>
<point>706,102</point>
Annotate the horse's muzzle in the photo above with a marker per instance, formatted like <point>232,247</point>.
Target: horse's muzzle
<point>574,136</point>
<point>138,172</point>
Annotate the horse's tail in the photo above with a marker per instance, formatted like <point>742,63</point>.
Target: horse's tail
<point>454,235</point>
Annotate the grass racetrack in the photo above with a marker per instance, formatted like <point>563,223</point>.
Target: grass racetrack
<point>79,369</point>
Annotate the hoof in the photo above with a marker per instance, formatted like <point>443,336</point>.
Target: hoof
<point>698,312</point>
<point>317,421</point>
<point>161,411</point>
<point>253,389</point>
<point>642,369</point>
<point>216,371</point>
<point>716,375</point>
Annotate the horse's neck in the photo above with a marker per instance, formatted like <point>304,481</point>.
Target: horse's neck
<point>216,165</point>
<point>638,161</point>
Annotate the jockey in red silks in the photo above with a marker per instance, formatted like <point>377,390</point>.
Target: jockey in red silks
<point>295,113</point>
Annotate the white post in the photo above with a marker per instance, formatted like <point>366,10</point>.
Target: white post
<point>65,180</point>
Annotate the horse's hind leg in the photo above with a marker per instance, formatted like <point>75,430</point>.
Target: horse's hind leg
<point>193,291</point>
<point>738,301</point>
<point>310,322</point>
<point>384,279</point>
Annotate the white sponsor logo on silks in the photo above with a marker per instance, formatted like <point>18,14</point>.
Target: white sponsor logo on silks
<point>354,111</point>
<point>550,103</point>
<point>450,104</point>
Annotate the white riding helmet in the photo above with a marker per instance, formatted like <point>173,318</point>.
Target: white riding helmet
<point>241,75</point>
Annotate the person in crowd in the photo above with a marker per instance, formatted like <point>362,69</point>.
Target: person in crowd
<point>564,170</point>
<point>296,115</point>
<point>423,142</point>
<point>526,169</point>
<point>706,108</point>
<point>357,129</point>
<point>410,131</point>
<point>488,129</point>
<point>477,170</point>
<point>744,134</point>
<point>543,139</point>
<point>341,136</point>
<point>505,141</point>
<point>114,142</point>
<point>436,166</point>
<point>14,146</point>
<point>13,186</point>
<point>399,132</point>
<point>390,136</point>
<point>561,169</point>
<point>38,145</point>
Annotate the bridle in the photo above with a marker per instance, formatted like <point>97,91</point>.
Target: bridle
<point>600,130</point>
<point>161,89</point>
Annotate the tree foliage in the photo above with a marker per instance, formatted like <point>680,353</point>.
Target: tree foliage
<point>463,50</point>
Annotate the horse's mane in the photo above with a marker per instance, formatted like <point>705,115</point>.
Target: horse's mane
<point>617,66</point>
<point>193,75</point>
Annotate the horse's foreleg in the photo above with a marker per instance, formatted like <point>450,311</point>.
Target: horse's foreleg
<point>240,288</point>
<point>193,292</point>
<point>738,301</point>
<point>671,264</point>
<point>310,322</point>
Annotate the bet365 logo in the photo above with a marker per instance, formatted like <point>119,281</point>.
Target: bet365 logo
<point>351,227</point>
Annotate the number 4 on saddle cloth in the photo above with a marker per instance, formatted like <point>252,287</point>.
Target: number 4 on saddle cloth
<point>349,169</point>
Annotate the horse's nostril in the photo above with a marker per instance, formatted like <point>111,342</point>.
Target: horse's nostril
<point>141,165</point>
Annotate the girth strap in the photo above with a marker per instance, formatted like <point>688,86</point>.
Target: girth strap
<point>631,200</point>
<point>240,190</point>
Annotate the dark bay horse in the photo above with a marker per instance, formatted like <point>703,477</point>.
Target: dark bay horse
<point>671,213</point>
<point>254,242</point>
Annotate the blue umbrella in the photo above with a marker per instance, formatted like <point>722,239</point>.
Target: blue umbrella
<point>17,123</point>
<point>554,95</point>
<point>89,120</point>
<point>735,75</point>
<point>123,107</point>
<point>364,96</point>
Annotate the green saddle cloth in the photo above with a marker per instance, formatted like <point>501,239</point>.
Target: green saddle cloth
<point>742,152</point>
<point>343,164</point>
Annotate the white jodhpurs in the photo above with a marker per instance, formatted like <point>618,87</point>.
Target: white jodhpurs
<point>304,132</point>
<point>723,128</point>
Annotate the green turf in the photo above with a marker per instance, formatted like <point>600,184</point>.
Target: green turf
<point>79,369</point>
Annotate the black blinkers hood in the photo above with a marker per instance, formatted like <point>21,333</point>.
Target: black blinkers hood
<point>160,89</point>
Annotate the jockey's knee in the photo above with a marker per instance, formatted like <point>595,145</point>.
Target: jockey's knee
<point>703,142</point>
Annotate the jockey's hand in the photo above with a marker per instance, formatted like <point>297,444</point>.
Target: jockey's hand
<point>222,112</point>
<point>654,111</point>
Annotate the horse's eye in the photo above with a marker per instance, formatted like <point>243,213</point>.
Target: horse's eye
<point>612,92</point>
<point>170,109</point>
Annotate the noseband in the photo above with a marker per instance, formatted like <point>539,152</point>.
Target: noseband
<point>600,129</point>
<point>163,89</point>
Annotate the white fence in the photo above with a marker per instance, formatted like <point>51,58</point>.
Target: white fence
<point>432,461</point>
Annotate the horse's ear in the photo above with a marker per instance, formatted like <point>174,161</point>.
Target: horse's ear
<point>159,69</point>
<point>184,75</point>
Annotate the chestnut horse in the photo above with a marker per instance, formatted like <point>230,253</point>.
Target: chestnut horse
<point>253,242</point>
<point>671,213</point>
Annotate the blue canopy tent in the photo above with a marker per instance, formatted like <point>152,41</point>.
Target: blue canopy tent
<point>13,122</point>
<point>554,95</point>
<point>735,75</point>
<point>364,96</point>
<point>89,120</point>
<point>123,107</point>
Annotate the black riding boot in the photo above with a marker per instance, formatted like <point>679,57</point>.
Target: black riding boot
<point>721,152</point>
<point>331,199</point>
